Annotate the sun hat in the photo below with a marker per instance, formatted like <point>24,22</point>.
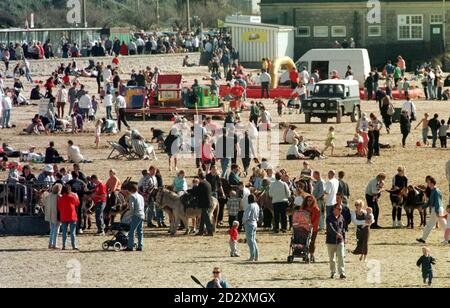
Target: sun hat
<point>48,168</point>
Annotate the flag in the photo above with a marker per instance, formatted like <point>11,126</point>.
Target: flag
<point>32,20</point>
<point>26,24</point>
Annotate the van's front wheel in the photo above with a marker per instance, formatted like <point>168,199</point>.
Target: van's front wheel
<point>323,119</point>
<point>339,116</point>
<point>356,114</point>
<point>307,118</point>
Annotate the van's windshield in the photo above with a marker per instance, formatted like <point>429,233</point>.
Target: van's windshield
<point>329,90</point>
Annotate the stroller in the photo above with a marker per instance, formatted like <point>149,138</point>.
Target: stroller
<point>120,238</point>
<point>301,239</point>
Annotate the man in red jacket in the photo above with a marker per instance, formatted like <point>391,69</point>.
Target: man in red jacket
<point>99,196</point>
<point>293,76</point>
<point>67,208</point>
<point>237,91</point>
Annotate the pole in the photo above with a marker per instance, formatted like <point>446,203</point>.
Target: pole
<point>84,14</point>
<point>157,13</point>
<point>188,16</point>
<point>444,24</point>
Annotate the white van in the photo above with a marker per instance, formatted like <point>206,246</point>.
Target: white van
<point>327,60</point>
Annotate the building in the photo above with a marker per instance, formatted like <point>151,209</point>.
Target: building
<point>256,41</point>
<point>387,28</point>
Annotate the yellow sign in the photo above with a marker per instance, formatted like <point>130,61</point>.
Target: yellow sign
<point>254,37</point>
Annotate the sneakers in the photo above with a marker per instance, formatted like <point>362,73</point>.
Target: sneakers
<point>394,224</point>
<point>342,276</point>
<point>445,243</point>
<point>421,241</point>
<point>100,234</point>
<point>332,275</point>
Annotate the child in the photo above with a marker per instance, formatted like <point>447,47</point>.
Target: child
<point>280,104</point>
<point>91,115</point>
<point>443,134</point>
<point>447,230</point>
<point>369,217</point>
<point>330,142</point>
<point>234,234</point>
<point>233,205</point>
<point>359,140</point>
<point>406,86</point>
<point>426,262</point>
<point>98,132</point>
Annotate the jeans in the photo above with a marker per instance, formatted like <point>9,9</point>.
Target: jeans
<point>250,232</point>
<point>71,106</point>
<point>336,250</point>
<point>265,90</point>
<point>122,119</point>
<point>322,214</point>
<point>137,225</point>
<point>376,142</point>
<point>72,226</point>
<point>54,230</point>
<point>371,145</point>
<point>329,210</point>
<point>205,220</point>
<point>6,118</point>
<point>279,210</point>
<point>425,135</point>
<point>151,213</point>
<point>431,89</point>
<point>84,112</point>
<point>99,219</point>
<point>404,137</point>
<point>109,113</point>
<point>374,205</point>
<point>431,223</point>
<point>434,133</point>
<point>224,163</point>
<point>160,217</point>
<point>28,76</point>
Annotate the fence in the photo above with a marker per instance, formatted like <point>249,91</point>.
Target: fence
<point>20,199</point>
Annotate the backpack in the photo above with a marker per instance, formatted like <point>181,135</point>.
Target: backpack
<point>391,110</point>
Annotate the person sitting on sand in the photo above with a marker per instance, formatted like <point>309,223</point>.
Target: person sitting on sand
<point>74,153</point>
<point>293,152</point>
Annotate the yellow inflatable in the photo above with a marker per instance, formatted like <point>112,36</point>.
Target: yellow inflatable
<point>276,65</point>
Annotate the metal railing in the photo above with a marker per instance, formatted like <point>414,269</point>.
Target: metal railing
<point>21,199</point>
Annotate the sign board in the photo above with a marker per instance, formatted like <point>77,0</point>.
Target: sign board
<point>254,37</point>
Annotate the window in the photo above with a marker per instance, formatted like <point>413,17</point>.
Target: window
<point>374,31</point>
<point>304,31</point>
<point>436,19</point>
<point>338,31</point>
<point>321,31</point>
<point>410,27</point>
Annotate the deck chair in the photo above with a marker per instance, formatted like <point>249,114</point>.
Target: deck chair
<point>121,151</point>
<point>142,150</point>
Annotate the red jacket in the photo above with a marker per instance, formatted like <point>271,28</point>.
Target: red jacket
<point>315,218</point>
<point>99,193</point>
<point>233,232</point>
<point>237,91</point>
<point>67,208</point>
<point>124,50</point>
<point>293,76</point>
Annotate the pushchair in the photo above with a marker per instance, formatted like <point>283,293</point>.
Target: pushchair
<point>301,238</point>
<point>120,238</point>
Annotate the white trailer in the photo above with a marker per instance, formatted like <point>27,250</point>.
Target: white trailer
<point>255,41</point>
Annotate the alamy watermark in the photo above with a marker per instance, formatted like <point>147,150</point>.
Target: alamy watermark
<point>374,13</point>
<point>73,276</point>
<point>74,13</point>
<point>374,272</point>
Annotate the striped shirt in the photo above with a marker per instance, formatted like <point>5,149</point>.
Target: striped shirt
<point>233,206</point>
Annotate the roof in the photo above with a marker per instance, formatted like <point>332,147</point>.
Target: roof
<point>340,81</point>
<point>169,79</point>
<point>259,25</point>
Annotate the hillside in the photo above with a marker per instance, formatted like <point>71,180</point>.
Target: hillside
<point>138,13</point>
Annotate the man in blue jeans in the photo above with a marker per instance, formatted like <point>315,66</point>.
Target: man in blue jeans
<point>225,151</point>
<point>137,208</point>
<point>99,196</point>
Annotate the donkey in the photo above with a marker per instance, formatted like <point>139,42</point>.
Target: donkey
<point>171,203</point>
<point>414,200</point>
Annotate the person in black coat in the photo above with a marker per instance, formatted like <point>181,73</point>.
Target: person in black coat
<point>369,86</point>
<point>203,193</point>
<point>405,126</point>
<point>52,156</point>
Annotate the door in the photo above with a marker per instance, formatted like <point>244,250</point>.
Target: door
<point>322,67</point>
<point>436,38</point>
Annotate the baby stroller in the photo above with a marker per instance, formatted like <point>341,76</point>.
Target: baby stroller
<point>301,239</point>
<point>120,238</point>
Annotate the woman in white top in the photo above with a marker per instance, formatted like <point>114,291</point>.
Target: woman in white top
<point>293,152</point>
<point>108,101</point>
<point>61,99</point>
